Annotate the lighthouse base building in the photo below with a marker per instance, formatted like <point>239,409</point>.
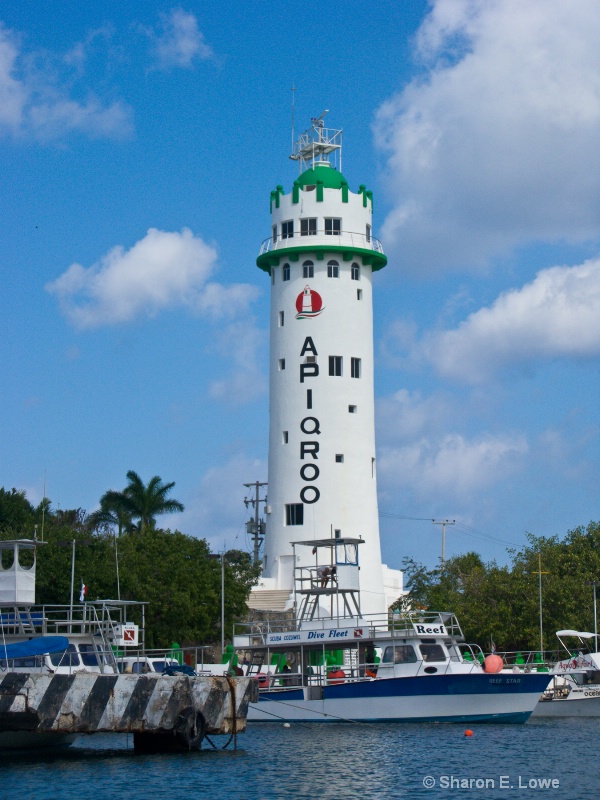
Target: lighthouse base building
<point>321,258</point>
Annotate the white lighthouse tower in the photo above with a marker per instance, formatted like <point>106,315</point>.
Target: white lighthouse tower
<point>321,257</point>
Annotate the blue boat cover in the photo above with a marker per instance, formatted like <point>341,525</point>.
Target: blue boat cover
<point>34,647</point>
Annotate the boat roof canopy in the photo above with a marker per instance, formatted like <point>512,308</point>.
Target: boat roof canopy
<point>330,542</point>
<point>581,634</point>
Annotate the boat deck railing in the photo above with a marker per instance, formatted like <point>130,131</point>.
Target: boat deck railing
<point>406,625</point>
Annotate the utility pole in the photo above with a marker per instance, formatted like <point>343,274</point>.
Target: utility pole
<point>539,574</point>
<point>256,527</point>
<point>443,523</point>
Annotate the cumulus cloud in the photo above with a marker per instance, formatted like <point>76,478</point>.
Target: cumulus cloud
<point>495,145</point>
<point>557,315</point>
<point>35,103</point>
<point>452,467</point>
<point>162,270</point>
<point>179,42</point>
<point>215,509</point>
<point>242,344</point>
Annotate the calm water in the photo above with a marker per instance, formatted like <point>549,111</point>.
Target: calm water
<point>325,761</point>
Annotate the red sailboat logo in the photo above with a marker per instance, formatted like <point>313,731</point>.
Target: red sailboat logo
<point>308,304</point>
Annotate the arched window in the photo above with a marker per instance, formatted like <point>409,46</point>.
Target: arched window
<point>355,271</point>
<point>333,269</point>
<point>286,272</point>
<point>308,269</point>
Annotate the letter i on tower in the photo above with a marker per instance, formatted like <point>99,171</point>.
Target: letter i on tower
<point>321,257</point>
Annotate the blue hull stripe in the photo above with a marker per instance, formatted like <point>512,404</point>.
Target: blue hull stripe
<point>514,718</point>
<point>432,685</point>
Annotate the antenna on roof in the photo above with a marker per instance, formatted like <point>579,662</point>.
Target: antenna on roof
<point>293,110</point>
<point>316,144</point>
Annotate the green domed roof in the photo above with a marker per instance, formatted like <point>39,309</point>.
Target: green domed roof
<point>328,176</point>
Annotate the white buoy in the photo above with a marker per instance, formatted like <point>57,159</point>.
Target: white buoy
<point>286,725</point>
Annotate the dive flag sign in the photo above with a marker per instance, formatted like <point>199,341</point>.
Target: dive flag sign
<point>83,593</point>
<point>129,635</point>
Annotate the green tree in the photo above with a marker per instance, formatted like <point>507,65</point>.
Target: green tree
<point>137,501</point>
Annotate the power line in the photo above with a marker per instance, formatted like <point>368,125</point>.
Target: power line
<point>467,530</point>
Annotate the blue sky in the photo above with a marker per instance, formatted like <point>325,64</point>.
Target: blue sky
<point>139,142</point>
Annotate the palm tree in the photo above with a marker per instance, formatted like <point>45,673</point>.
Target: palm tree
<point>138,501</point>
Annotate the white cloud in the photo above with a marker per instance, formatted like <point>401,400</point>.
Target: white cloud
<point>160,271</point>
<point>180,42</point>
<point>557,315</point>
<point>497,144</point>
<point>34,103</point>
<point>451,467</point>
<point>215,510</point>
<point>242,344</point>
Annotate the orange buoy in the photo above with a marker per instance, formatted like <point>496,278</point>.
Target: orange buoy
<point>263,680</point>
<point>468,732</point>
<point>492,664</point>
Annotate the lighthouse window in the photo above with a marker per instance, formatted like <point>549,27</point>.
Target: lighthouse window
<point>274,233</point>
<point>282,363</point>
<point>332,226</point>
<point>287,229</point>
<point>284,437</point>
<point>368,234</point>
<point>335,365</point>
<point>352,409</point>
<point>294,514</point>
<point>355,367</point>
<point>286,272</point>
<point>333,269</point>
<point>339,458</point>
<point>308,227</point>
<point>359,294</point>
<point>281,319</point>
<point>273,276</point>
<point>308,269</point>
<point>355,272</point>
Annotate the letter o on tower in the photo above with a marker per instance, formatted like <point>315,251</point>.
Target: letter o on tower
<point>315,494</point>
<point>309,468</point>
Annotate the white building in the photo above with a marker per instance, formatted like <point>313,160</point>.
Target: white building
<point>321,257</point>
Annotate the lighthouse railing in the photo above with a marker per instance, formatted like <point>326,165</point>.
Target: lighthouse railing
<point>343,238</point>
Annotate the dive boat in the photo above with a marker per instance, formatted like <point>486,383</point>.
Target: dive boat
<point>575,692</point>
<point>334,664</point>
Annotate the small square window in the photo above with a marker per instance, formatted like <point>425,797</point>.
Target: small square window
<point>281,319</point>
<point>284,437</point>
<point>308,269</point>
<point>359,294</point>
<point>368,233</point>
<point>272,276</point>
<point>286,272</point>
<point>335,365</point>
<point>337,533</point>
<point>352,409</point>
<point>333,269</point>
<point>332,226</point>
<point>355,272</point>
<point>287,229</point>
<point>339,458</point>
<point>308,227</point>
<point>294,514</point>
<point>282,363</point>
<point>355,367</point>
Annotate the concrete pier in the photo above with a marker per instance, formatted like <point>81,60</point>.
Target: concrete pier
<point>162,711</point>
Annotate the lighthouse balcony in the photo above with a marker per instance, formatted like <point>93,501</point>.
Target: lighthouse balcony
<point>358,241</point>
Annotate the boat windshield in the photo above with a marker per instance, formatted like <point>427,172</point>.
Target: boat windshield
<point>399,654</point>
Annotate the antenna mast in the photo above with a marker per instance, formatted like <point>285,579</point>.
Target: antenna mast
<point>317,144</point>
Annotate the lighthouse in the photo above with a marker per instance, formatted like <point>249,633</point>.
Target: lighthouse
<point>321,257</point>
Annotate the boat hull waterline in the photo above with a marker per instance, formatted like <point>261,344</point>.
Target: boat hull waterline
<point>443,698</point>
